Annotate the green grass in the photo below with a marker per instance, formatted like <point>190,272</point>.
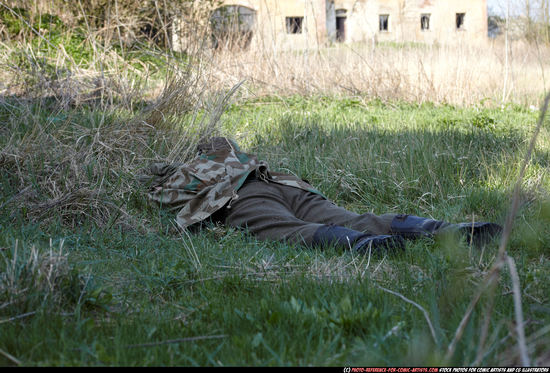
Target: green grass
<point>129,288</point>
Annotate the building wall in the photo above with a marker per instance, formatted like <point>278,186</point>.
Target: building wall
<point>404,20</point>
<point>271,27</point>
<point>362,21</point>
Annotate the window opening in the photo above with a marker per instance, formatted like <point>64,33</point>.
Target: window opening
<point>341,25</point>
<point>294,25</point>
<point>425,22</point>
<point>384,22</point>
<point>460,20</point>
<point>232,26</point>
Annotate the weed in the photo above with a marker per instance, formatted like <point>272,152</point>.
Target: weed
<point>83,112</point>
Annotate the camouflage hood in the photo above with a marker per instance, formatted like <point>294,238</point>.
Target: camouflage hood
<point>210,181</point>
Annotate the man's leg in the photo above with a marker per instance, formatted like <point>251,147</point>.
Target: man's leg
<point>314,208</point>
<point>264,210</point>
<point>410,226</point>
<point>279,212</point>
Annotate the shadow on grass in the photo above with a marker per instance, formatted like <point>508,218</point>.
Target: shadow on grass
<point>276,304</point>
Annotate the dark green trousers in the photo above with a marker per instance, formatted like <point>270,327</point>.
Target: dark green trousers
<point>273,211</point>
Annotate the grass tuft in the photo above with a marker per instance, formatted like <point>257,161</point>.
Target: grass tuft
<point>92,273</point>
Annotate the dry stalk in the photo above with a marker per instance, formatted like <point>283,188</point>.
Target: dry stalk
<point>443,75</point>
<point>208,125</point>
<point>485,327</point>
<point>10,357</point>
<point>422,309</point>
<point>522,346</point>
<point>489,279</point>
<point>494,272</point>
<point>42,271</point>
<point>179,340</point>
<point>27,314</point>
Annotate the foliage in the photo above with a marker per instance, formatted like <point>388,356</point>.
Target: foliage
<point>125,21</point>
<point>92,273</point>
<point>219,297</point>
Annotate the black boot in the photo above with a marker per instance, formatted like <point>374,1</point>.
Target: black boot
<point>410,226</point>
<point>346,238</point>
<point>380,244</point>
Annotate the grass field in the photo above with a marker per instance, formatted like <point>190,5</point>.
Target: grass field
<point>77,290</point>
<point>93,273</point>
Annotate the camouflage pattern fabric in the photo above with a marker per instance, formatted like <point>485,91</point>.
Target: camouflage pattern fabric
<point>211,180</point>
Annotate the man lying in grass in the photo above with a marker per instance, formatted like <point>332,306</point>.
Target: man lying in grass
<point>226,185</point>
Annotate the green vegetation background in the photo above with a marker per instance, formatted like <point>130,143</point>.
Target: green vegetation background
<point>81,284</point>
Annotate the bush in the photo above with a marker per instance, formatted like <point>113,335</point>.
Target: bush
<point>34,279</point>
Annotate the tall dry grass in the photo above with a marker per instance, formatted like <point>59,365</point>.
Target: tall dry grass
<point>460,74</point>
<point>76,134</point>
<point>77,168</point>
<point>65,169</point>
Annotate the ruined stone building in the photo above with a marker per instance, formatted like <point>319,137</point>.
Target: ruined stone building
<point>297,24</point>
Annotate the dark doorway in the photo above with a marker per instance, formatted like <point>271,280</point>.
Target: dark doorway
<point>425,22</point>
<point>232,26</point>
<point>340,29</point>
<point>460,20</point>
<point>384,22</point>
<point>341,25</point>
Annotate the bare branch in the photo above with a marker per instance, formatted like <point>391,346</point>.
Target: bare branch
<point>179,340</point>
<point>522,346</point>
<point>426,315</point>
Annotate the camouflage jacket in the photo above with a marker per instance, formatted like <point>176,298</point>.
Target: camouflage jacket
<point>211,180</point>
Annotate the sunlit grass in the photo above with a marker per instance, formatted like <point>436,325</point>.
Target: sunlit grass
<point>268,303</point>
<point>92,273</point>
